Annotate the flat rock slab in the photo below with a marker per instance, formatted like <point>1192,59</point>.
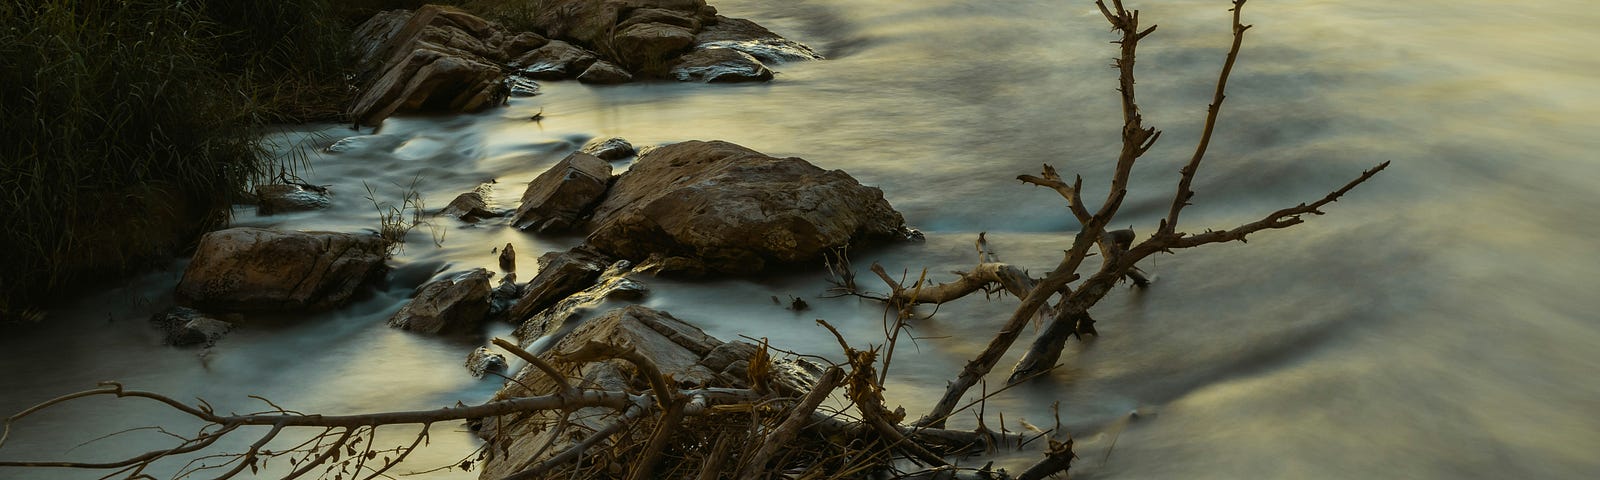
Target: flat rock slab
<point>258,269</point>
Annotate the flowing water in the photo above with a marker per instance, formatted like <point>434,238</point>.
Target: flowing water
<point>1432,325</point>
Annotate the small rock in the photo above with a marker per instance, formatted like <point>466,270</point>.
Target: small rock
<point>616,283</point>
<point>283,198</point>
<point>605,73</point>
<point>556,200</point>
<point>508,259</point>
<point>453,305</point>
<point>608,148</point>
<point>471,206</point>
<point>189,327</point>
<point>484,361</point>
<point>719,65</point>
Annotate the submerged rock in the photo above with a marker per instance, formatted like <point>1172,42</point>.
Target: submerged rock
<point>557,198</point>
<point>608,148</point>
<point>719,65</point>
<point>186,327</point>
<point>484,361</point>
<point>283,198</point>
<point>735,210</point>
<point>248,269</point>
<point>452,305</point>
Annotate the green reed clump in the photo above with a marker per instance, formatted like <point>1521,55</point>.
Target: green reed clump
<point>130,125</point>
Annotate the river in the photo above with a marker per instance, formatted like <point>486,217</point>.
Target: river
<point>1432,325</point>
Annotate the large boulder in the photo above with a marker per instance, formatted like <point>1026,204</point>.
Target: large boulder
<point>453,305</point>
<point>731,209</point>
<point>558,198</point>
<point>257,269</point>
<point>437,58</point>
<point>647,47</point>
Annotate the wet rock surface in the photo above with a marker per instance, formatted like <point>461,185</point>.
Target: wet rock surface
<point>608,148</point>
<point>559,197</point>
<point>484,361</point>
<point>555,61</point>
<point>472,206</point>
<point>454,305</point>
<point>615,283</point>
<point>734,210</point>
<point>561,274</point>
<point>719,65</point>
<point>258,269</point>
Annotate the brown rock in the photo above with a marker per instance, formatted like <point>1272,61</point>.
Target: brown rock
<point>605,73</point>
<point>748,37</point>
<point>471,206</point>
<point>560,275</point>
<point>508,258</point>
<point>449,306</point>
<point>557,198</point>
<point>616,283</point>
<point>737,210</point>
<point>591,22</point>
<point>661,15</point>
<point>647,47</point>
<point>521,44</point>
<point>719,65</point>
<point>438,58</point>
<point>243,269</point>
<point>555,61</point>
<point>608,148</point>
